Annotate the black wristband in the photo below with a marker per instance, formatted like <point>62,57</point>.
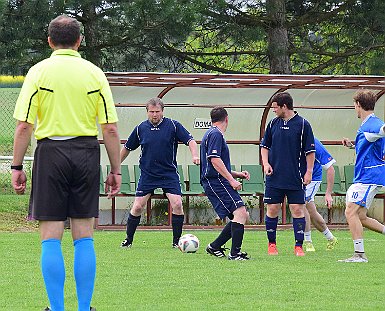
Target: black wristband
<point>17,167</point>
<point>115,173</point>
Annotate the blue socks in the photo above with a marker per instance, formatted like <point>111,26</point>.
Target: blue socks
<point>271,228</point>
<point>53,270</point>
<point>299,228</point>
<point>84,270</point>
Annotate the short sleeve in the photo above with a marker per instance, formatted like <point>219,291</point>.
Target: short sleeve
<point>214,145</point>
<point>106,107</point>
<point>133,141</point>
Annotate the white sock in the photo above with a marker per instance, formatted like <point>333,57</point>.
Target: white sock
<point>307,236</point>
<point>359,246</point>
<point>383,230</point>
<point>328,234</point>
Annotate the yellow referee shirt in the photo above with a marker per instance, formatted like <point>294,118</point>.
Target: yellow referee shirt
<point>66,94</point>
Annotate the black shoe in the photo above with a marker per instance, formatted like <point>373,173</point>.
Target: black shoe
<point>175,245</point>
<point>125,243</point>
<point>92,309</point>
<point>220,252</point>
<point>239,256</point>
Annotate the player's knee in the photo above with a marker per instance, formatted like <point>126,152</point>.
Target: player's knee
<point>177,207</point>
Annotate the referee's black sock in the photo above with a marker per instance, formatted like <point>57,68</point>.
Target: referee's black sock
<point>237,231</point>
<point>223,237</point>
<point>132,223</point>
<point>177,226</point>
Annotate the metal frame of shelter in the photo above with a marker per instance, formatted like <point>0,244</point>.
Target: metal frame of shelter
<point>171,81</point>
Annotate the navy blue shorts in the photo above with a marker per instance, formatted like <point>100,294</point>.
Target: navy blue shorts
<point>275,196</point>
<point>146,186</point>
<point>222,196</point>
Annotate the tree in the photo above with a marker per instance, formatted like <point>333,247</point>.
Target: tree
<point>278,36</point>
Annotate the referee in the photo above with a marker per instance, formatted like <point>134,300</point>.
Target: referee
<point>66,95</point>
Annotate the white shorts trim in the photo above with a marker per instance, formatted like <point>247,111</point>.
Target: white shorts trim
<point>311,190</point>
<point>362,194</point>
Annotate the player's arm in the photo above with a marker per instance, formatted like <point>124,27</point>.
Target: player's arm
<point>310,158</point>
<point>268,170</point>
<point>124,152</point>
<point>330,173</point>
<point>221,169</point>
<point>21,141</point>
<point>347,143</point>
<point>112,144</point>
<point>243,174</point>
<point>192,145</point>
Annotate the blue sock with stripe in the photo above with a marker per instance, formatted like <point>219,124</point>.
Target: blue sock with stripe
<point>299,228</point>
<point>271,228</point>
<point>84,271</point>
<point>53,270</point>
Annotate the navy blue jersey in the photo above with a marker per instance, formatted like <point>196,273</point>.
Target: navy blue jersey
<point>213,145</point>
<point>159,146</point>
<point>288,142</point>
<point>323,160</point>
<point>370,144</point>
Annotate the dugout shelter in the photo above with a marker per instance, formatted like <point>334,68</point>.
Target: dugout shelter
<point>325,101</point>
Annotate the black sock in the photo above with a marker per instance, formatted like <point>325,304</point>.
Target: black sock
<point>132,223</point>
<point>223,237</point>
<point>237,231</point>
<point>177,225</point>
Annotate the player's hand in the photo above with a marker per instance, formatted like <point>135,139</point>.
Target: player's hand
<point>328,200</point>
<point>235,184</point>
<point>307,178</point>
<point>347,142</point>
<point>244,175</point>
<point>19,181</point>
<point>196,160</point>
<point>112,185</point>
<point>268,170</point>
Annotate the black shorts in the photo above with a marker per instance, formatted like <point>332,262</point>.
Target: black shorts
<point>65,179</point>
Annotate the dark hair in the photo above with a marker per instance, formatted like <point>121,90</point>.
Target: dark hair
<point>367,99</point>
<point>156,101</point>
<point>218,114</point>
<point>64,31</point>
<point>283,98</point>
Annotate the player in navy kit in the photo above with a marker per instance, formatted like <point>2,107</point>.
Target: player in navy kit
<point>323,160</point>
<point>369,172</point>
<point>158,138</point>
<point>221,187</point>
<point>288,155</point>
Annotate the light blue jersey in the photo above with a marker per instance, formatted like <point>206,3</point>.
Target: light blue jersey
<point>370,144</point>
<point>323,160</point>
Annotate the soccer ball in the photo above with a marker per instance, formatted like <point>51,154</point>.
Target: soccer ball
<point>188,243</point>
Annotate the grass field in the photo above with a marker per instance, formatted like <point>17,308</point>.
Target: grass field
<point>153,276</point>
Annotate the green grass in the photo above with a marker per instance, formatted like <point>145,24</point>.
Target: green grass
<point>153,276</point>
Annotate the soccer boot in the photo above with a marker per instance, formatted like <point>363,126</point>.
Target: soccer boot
<point>174,245</point>
<point>125,243</point>
<point>357,257</point>
<point>217,252</point>
<point>239,256</point>
<point>298,251</point>
<point>272,249</point>
<point>331,243</point>
<point>309,247</point>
